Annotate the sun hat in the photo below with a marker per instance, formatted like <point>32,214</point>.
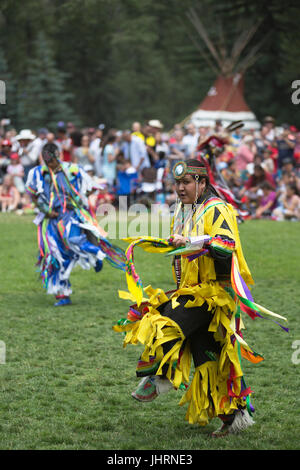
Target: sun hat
<point>43,130</point>
<point>25,134</point>
<point>269,119</point>
<point>155,123</point>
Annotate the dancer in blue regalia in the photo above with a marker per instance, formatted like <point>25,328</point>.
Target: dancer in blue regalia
<point>68,234</point>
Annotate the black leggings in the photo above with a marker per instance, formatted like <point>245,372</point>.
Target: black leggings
<point>194,323</point>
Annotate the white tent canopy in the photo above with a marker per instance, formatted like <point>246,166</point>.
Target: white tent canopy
<point>204,118</point>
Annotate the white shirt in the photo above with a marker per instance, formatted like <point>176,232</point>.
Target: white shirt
<point>96,151</point>
<point>138,151</point>
<point>191,142</point>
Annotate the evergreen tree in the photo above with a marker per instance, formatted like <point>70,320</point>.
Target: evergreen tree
<point>131,60</point>
<point>88,25</point>
<point>7,110</point>
<point>43,99</point>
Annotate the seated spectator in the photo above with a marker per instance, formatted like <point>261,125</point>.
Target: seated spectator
<point>289,208</point>
<point>16,169</point>
<point>75,138</point>
<point>96,150</point>
<point>71,128</point>
<point>258,159</point>
<point>251,191</point>
<point>99,193</point>
<point>190,140</point>
<point>287,166</point>
<point>96,182</point>
<point>5,152</point>
<point>109,163</point>
<point>101,196</point>
<point>235,139</point>
<point>82,155</point>
<point>245,153</point>
<point>268,162</point>
<point>148,185</point>
<point>274,155</point>
<point>297,150</point>
<point>285,146</point>
<point>28,158</point>
<point>267,202</point>
<point>162,150</point>
<point>9,195</point>
<point>162,164</point>
<point>6,148</point>
<point>38,143</point>
<point>65,142</point>
<point>127,177</point>
<point>231,176</point>
<point>170,193</point>
<point>282,184</point>
<point>218,127</point>
<point>135,150</point>
<point>149,131</point>
<point>178,150</point>
<point>50,137</point>
<point>268,129</point>
<point>137,130</point>
<point>11,136</point>
<point>259,176</point>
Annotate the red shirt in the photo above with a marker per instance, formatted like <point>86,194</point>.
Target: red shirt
<point>253,181</point>
<point>66,154</point>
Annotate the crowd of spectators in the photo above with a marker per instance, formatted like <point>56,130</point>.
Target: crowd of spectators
<point>262,168</point>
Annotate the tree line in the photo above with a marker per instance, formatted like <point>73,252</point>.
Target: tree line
<point>116,61</point>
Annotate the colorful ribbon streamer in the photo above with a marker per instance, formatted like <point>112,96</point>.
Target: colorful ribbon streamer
<point>150,244</point>
<point>160,245</point>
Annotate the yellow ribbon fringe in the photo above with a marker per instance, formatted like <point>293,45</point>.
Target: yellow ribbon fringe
<point>153,330</point>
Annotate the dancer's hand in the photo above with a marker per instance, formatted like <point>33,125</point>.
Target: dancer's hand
<point>53,214</point>
<point>179,240</point>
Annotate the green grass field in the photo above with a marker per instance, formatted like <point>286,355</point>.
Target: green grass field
<point>67,380</point>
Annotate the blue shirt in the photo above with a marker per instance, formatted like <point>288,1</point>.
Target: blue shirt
<point>126,182</point>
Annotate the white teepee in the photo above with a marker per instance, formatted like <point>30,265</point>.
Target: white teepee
<point>225,99</point>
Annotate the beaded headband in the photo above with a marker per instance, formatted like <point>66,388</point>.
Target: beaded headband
<point>181,169</point>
